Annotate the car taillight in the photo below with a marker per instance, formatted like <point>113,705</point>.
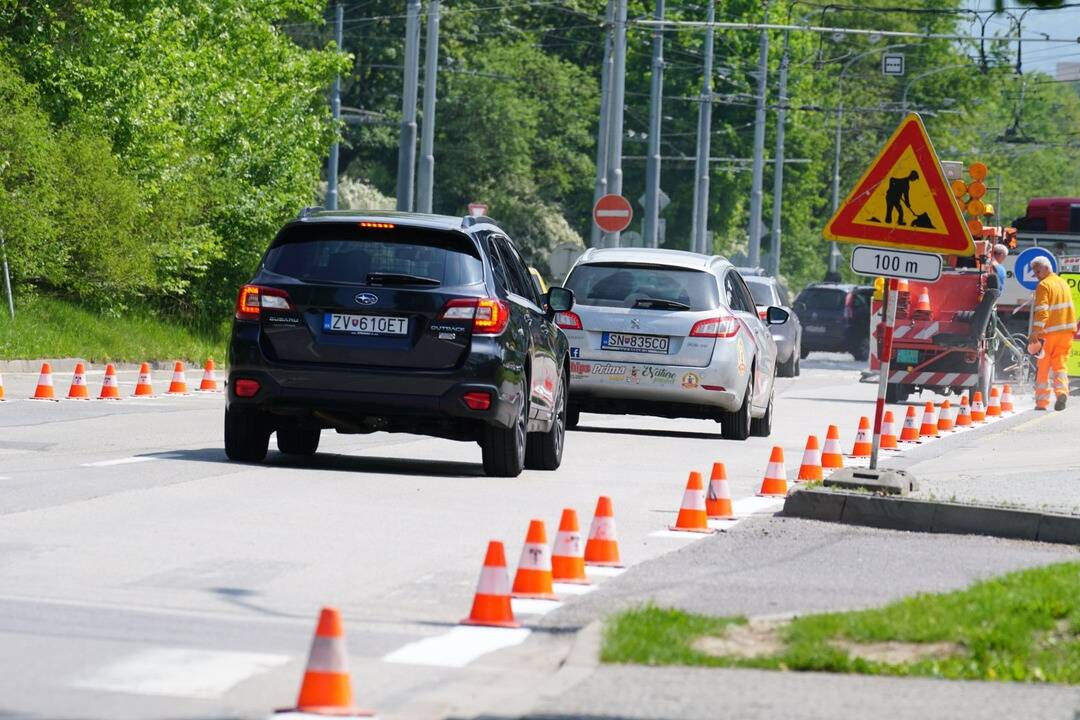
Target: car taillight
<point>253,298</point>
<point>246,388</point>
<point>568,320</point>
<point>724,326</point>
<point>489,316</point>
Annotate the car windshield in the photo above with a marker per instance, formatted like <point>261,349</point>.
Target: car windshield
<point>340,253</point>
<point>626,285</point>
<point>821,299</point>
<point>762,291</point>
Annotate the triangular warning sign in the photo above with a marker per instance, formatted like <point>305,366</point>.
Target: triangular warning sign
<point>903,200</point>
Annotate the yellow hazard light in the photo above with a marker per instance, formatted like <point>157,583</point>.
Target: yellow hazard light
<point>976,190</point>
<point>977,171</point>
<point>879,288</point>
<point>988,209</point>
<point>959,189</point>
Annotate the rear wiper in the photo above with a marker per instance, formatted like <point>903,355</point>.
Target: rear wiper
<point>386,278</point>
<point>658,304</point>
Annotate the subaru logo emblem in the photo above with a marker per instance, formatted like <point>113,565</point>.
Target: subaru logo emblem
<point>366,298</point>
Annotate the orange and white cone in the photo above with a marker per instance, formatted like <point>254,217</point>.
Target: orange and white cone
<point>692,514</point>
<point>178,386</point>
<point>929,426</point>
<point>922,308</point>
<point>718,496</point>
<point>888,432</point>
<point>910,432</point>
<point>209,380</point>
<point>863,442</point>
<point>44,389</point>
<point>810,469</point>
<point>568,555</point>
<point>602,547</point>
<point>993,408</point>
<point>832,457</point>
<point>327,689</point>
<point>110,389</point>
<point>775,482</point>
<point>491,604</point>
<point>1006,398</point>
<point>963,413</point>
<point>978,410</point>
<point>144,387</point>
<point>533,578</point>
<point>1,388</point>
<point>78,389</point>
<point>945,421</point>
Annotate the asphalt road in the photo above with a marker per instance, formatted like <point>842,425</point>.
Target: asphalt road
<point>144,576</point>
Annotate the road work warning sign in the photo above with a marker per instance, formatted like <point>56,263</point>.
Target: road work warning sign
<point>903,200</point>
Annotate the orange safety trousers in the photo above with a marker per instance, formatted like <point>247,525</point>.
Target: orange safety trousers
<point>1051,369</point>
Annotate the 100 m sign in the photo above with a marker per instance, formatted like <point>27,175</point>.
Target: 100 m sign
<point>907,264</point>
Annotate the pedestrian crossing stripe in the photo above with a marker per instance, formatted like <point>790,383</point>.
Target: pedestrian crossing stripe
<point>903,200</point>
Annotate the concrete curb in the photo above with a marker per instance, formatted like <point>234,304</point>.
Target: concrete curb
<point>893,513</point>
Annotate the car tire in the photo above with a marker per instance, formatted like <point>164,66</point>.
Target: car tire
<point>803,352</point>
<point>504,449</point>
<point>298,440</point>
<point>790,367</point>
<point>736,425</point>
<point>861,351</point>
<point>762,426</point>
<point>798,366</point>
<point>247,435</point>
<point>573,417</point>
<point>545,450</point>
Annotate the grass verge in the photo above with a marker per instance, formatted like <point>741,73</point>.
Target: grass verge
<point>46,327</point>
<point>1024,626</point>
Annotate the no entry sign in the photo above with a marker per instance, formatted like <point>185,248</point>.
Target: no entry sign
<point>613,213</point>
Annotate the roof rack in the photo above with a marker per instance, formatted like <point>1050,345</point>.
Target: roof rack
<point>470,220</point>
<point>310,210</point>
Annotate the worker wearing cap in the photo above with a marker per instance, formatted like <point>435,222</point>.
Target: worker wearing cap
<point>1052,328</point>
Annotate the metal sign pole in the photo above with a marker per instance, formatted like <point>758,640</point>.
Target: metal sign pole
<point>7,276</point>
<point>886,357</point>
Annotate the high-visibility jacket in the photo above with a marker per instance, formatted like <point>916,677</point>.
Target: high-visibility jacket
<point>1053,307</point>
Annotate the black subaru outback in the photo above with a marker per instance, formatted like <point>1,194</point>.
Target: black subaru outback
<point>398,322</point>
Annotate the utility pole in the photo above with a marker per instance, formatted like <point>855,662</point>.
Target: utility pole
<point>335,110</point>
<point>778,168</point>
<point>757,172</point>
<point>701,168</point>
<point>602,129</point>
<point>652,165</point>
<point>426,186</point>
<point>407,139</point>
<point>615,111</point>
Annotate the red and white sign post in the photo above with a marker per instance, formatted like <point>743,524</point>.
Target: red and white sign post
<point>886,356</point>
<point>613,213</point>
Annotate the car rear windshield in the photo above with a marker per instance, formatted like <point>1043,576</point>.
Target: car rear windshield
<point>821,299</point>
<point>762,291</point>
<point>347,254</point>
<point>628,285</point>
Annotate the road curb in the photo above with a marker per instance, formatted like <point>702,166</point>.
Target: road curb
<point>893,513</point>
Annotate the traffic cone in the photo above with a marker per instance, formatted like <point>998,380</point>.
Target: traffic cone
<point>1006,398</point>
<point>144,387</point>
<point>922,307</point>
<point>718,496</point>
<point>209,381</point>
<point>910,432</point>
<point>326,689</point>
<point>929,426</point>
<point>902,286</point>
<point>491,604</point>
<point>945,422</point>
<point>178,386</point>
<point>993,408</point>
<point>110,390</point>
<point>810,469</point>
<point>978,410</point>
<point>602,547</point>
<point>863,442</point>
<point>831,455</point>
<point>1,388</point>
<point>44,389</point>
<point>963,413</point>
<point>78,390</point>
<point>888,432</point>
<point>775,481</point>
<point>692,515</point>
<point>533,578</point>
<point>568,557</point>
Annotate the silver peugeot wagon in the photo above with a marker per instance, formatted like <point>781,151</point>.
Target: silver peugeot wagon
<point>671,334</point>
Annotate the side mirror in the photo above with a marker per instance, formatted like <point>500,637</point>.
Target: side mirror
<point>559,299</point>
<point>776,316</point>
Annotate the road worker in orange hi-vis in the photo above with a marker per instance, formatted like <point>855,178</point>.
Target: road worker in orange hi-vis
<point>1052,327</point>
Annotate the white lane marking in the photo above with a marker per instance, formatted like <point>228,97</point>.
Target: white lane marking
<point>532,606</point>
<point>603,571</point>
<point>573,589</point>
<point>179,672</point>
<point>678,535</point>
<point>459,647</point>
<point>130,460</point>
<point>743,508</point>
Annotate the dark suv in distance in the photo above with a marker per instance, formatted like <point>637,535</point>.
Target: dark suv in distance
<point>398,322</point>
<point>835,318</point>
